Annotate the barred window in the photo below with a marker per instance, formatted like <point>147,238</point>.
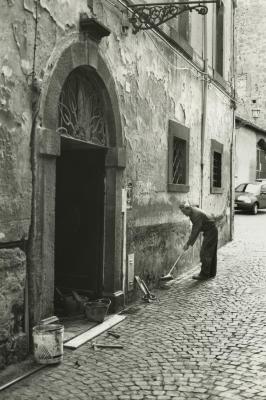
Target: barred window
<point>216,166</point>
<point>217,169</point>
<point>179,161</point>
<point>178,154</point>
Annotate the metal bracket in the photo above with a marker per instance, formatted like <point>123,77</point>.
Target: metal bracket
<point>150,16</point>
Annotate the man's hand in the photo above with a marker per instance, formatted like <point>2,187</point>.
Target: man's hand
<point>186,246</point>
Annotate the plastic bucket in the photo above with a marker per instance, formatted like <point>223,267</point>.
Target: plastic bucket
<point>96,310</point>
<point>48,343</point>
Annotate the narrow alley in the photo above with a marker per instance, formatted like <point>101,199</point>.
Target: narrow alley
<point>201,340</point>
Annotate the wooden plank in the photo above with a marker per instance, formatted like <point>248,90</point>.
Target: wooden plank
<point>92,333</point>
<point>50,320</point>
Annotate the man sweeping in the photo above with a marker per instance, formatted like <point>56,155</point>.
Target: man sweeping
<point>202,222</point>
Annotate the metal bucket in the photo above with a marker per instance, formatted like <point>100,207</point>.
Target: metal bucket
<point>96,310</point>
<point>48,343</point>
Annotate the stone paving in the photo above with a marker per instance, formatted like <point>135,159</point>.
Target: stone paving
<point>201,340</point>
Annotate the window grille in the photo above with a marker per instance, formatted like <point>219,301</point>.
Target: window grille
<point>179,161</point>
<point>216,164</point>
<point>217,169</point>
<point>81,109</point>
<point>178,157</point>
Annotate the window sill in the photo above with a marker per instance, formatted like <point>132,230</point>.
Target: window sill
<point>172,187</point>
<point>215,190</point>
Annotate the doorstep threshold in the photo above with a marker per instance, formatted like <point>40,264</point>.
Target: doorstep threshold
<point>90,334</point>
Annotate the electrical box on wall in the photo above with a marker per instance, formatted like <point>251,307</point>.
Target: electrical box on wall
<point>130,271</point>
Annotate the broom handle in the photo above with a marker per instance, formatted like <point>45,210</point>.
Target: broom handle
<point>176,261</point>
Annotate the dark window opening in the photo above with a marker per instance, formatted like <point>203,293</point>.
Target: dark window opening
<point>179,161</point>
<point>183,25</point>
<point>216,167</point>
<point>178,157</point>
<point>217,170</point>
<point>261,164</point>
<point>220,39</point>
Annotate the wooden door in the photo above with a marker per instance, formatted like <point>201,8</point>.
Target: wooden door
<point>79,220</point>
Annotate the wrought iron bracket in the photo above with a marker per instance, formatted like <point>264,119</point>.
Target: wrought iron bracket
<point>150,16</point>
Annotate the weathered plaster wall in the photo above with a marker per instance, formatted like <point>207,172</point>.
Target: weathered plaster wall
<point>166,88</point>
<point>251,44</point>
<point>15,124</point>
<point>245,164</point>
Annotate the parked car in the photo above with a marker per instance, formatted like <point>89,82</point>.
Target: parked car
<point>250,196</point>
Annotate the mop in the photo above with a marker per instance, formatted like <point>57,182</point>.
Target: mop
<point>169,277</point>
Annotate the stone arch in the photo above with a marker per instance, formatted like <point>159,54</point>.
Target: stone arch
<point>77,55</point>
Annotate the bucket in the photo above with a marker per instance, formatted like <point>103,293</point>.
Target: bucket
<point>48,343</point>
<point>96,310</point>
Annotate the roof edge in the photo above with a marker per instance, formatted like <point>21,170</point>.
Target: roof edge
<point>246,123</point>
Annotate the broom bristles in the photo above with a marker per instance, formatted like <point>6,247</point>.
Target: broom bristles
<point>166,278</point>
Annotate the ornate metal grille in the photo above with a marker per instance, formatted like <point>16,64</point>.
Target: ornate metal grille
<point>81,111</point>
<point>179,161</point>
<point>217,169</point>
<point>149,16</point>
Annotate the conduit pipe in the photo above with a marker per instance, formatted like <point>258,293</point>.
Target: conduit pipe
<point>232,146</point>
<point>204,108</point>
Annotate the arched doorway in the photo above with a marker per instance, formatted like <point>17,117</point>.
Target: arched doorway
<point>80,185</point>
<point>78,155</point>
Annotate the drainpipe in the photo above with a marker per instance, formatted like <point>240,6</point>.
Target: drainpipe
<point>204,107</point>
<point>35,104</point>
<point>232,147</point>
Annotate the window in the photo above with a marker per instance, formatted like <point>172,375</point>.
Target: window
<point>263,189</point>
<point>183,25</point>
<point>241,188</point>
<point>179,34</point>
<point>261,160</point>
<point>216,166</point>
<point>81,109</point>
<point>217,169</point>
<point>219,65</point>
<point>178,157</point>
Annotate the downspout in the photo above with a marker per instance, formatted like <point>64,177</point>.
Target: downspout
<point>232,147</point>
<point>204,107</point>
<point>35,101</point>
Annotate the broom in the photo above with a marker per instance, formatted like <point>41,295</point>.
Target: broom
<point>169,277</point>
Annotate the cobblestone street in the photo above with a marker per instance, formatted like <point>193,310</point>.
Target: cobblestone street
<point>201,340</point>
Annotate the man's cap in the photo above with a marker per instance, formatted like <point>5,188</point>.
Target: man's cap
<point>185,205</point>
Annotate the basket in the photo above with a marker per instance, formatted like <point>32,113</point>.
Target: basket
<point>96,310</point>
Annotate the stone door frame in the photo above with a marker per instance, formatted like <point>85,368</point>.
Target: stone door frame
<point>76,54</point>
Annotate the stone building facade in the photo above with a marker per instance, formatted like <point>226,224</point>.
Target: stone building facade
<point>103,133</point>
<point>251,91</point>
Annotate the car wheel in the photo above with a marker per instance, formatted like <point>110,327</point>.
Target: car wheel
<point>254,209</point>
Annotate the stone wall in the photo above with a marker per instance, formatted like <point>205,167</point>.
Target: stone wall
<point>251,75</point>
<point>13,343</point>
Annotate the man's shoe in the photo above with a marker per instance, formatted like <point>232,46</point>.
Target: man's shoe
<point>200,277</point>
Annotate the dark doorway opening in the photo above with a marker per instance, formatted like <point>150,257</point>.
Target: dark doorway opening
<point>80,174</point>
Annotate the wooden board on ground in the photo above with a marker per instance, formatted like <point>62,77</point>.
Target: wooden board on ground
<point>93,332</point>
